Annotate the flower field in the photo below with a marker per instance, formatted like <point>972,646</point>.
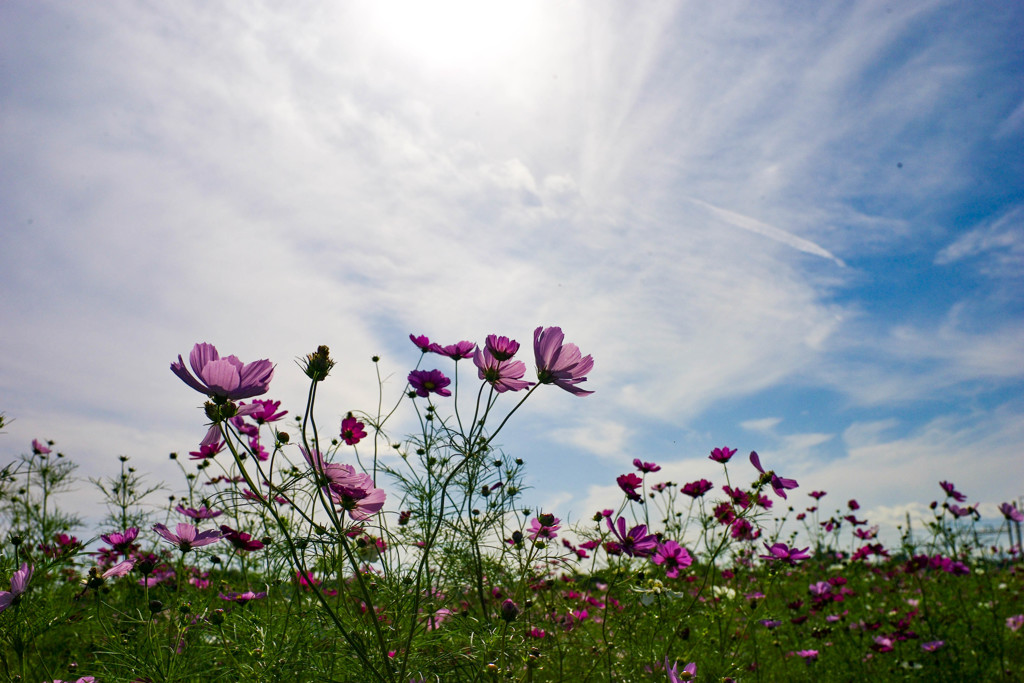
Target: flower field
<point>295,551</point>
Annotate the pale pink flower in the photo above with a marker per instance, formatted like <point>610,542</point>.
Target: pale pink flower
<point>560,364</point>
<point>19,583</point>
<point>224,378</point>
<point>188,537</point>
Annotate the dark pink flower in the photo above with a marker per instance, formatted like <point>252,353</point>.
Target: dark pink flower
<point>421,342</point>
<point>202,513</point>
<point>121,542</point>
<point>853,505</point>
<point>188,537</point>
<point>722,455</point>
<point>636,542</point>
<point>223,378</point>
<point>645,466</point>
<point>39,448</point>
<point>503,375</point>
<point>629,483</point>
<point>456,351</point>
<point>673,556</point>
<point>267,411</point>
<point>951,491</point>
<point>779,484</point>
<point>210,446</point>
<point>352,431</point>
<point>242,597</point>
<point>689,672</point>
<point>782,552</point>
<point>560,364</point>
<point>932,646</point>
<point>425,382</point>
<point>240,539</point>
<point>544,526</point>
<point>502,348</point>
<point>19,583</point>
<point>696,489</point>
<point>817,495</point>
<point>1010,512</point>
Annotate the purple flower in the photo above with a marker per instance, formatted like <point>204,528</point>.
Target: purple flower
<point>118,570</point>
<point>502,348</point>
<point>223,378</point>
<point>425,382</point>
<point>39,448</point>
<point>933,645</point>
<point>544,526</point>
<point>352,431</point>
<point>808,655</point>
<point>242,597</point>
<point>503,375</point>
<point>240,539</point>
<point>1010,512</point>
<point>456,351</point>
<point>352,491</point>
<point>782,552</point>
<point>202,513</point>
<point>696,489</point>
<point>19,582</point>
<point>817,495</point>
<point>121,542</point>
<point>421,342</point>
<point>951,491</point>
<point>779,484</point>
<point>629,483</point>
<point>210,446</point>
<point>188,537</point>
<point>560,364</point>
<point>1013,623</point>
<point>267,411</point>
<point>637,542</point>
<point>689,672</point>
<point>673,556</point>
<point>645,466</point>
<point>722,455</point>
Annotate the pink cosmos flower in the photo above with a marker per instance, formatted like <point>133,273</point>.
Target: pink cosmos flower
<point>778,483</point>
<point>121,542</point>
<point>83,679</point>
<point>502,348</point>
<point>421,342</point>
<point>817,495</point>
<point>933,645</point>
<point>223,378</point>
<point>673,556</point>
<point>425,382</point>
<point>689,672</point>
<point>560,364</point>
<point>456,351</point>
<point>39,448</point>
<point>783,553</point>
<point>645,466</point>
<point>267,411</point>
<point>629,483</point>
<point>636,542</point>
<point>242,597</point>
<point>202,513</point>
<point>722,455</point>
<point>19,583</point>
<point>696,489</point>
<point>1010,512</point>
<point>240,539</point>
<point>1013,623</point>
<point>188,537</point>
<point>118,570</point>
<point>951,491</point>
<point>210,446</point>
<point>355,493</point>
<point>352,431</point>
<point>503,375</point>
<point>544,526</point>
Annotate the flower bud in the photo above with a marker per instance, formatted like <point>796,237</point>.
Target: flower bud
<point>318,364</point>
<point>509,611</point>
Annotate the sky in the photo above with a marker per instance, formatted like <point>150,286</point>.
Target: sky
<point>795,228</point>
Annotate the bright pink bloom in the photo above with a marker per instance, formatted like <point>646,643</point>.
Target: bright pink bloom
<point>503,375</point>
<point>689,672</point>
<point>645,466</point>
<point>560,364</point>
<point>223,378</point>
<point>544,527</point>
<point>636,542</point>
<point>696,489</point>
<point>425,382</point>
<point>951,491</point>
<point>456,351</point>
<point>267,411</point>
<point>188,537</point>
<point>673,556</point>
<point>421,342</point>
<point>210,446</point>
<point>817,495</point>
<point>1010,512</point>
<point>629,483</point>
<point>19,583</point>
<point>240,539</point>
<point>39,448</point>
<point>352,431</point>
<point>121,542</point>
<point>202,513</point>
<point>722,455</point>
<point>1013,623</point>
<point>782,552</point>
<point>502,348</point>
<point>778,483</point>
<point>242,597</point>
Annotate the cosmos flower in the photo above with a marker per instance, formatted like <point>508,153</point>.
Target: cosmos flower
<point>39,448</point>
<point>560,364</point>
<point>645,466</point>
<point>121,542</point>
<point>456,351</point>
<point>426,382</point>
<point>503,375</point>
<point>783,553</point>
<point>696,489</point>
<point>629,483</point>
<point>240,539</point>
<point>673,556</point>
<point>19,583</point>
<point>223,378</point>
<point>1010,512</point>
<point>636,542</point>
<point>778,483</point>
<point>202,513</point>
<point>689,672</point>
<point>352,431</point>
<point>722,455</point>
<point>951,491</point>
<point>502,348</point>
<point>188,537</point>
<point>421,342</point>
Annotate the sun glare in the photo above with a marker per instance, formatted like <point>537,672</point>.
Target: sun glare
<point>455,34</point>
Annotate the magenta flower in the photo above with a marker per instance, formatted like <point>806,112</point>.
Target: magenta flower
<point>240,539</point>
<point>853,504</point>
<point>456,351</point>
<point>722,455</point>
<point>421,342</point>
<point>39,448</point>
<point>951,491</point>
<point>689,672</point>
<point>223,378</point>
<point>242,597</point>
<point>425,382</point>
<point>19,583</point>
<point>210,446</point>
<point>636,542</point>
<point>188,537</point>
<point>696,489</point>
<point>545,526</point>
<point>121,542</point>
<point>503,375</point>
<point>1013,623</point>
<point>779,484</point>
<point>267,411</point>
<point>673,556</point>
<point>629,483</point>
<point>1010,512</point>
<point>933,645</point>
<point>202,513</point>
<point>355,493</point>
<point>808,655</point>
<point>560,364</point>
<point>501,348</point>
<point>817,495</point>
<point>783,553</point>
<point>352,431</point>
<point>645,466</point>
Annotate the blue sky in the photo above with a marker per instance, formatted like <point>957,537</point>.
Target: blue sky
<point>796,228</point>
